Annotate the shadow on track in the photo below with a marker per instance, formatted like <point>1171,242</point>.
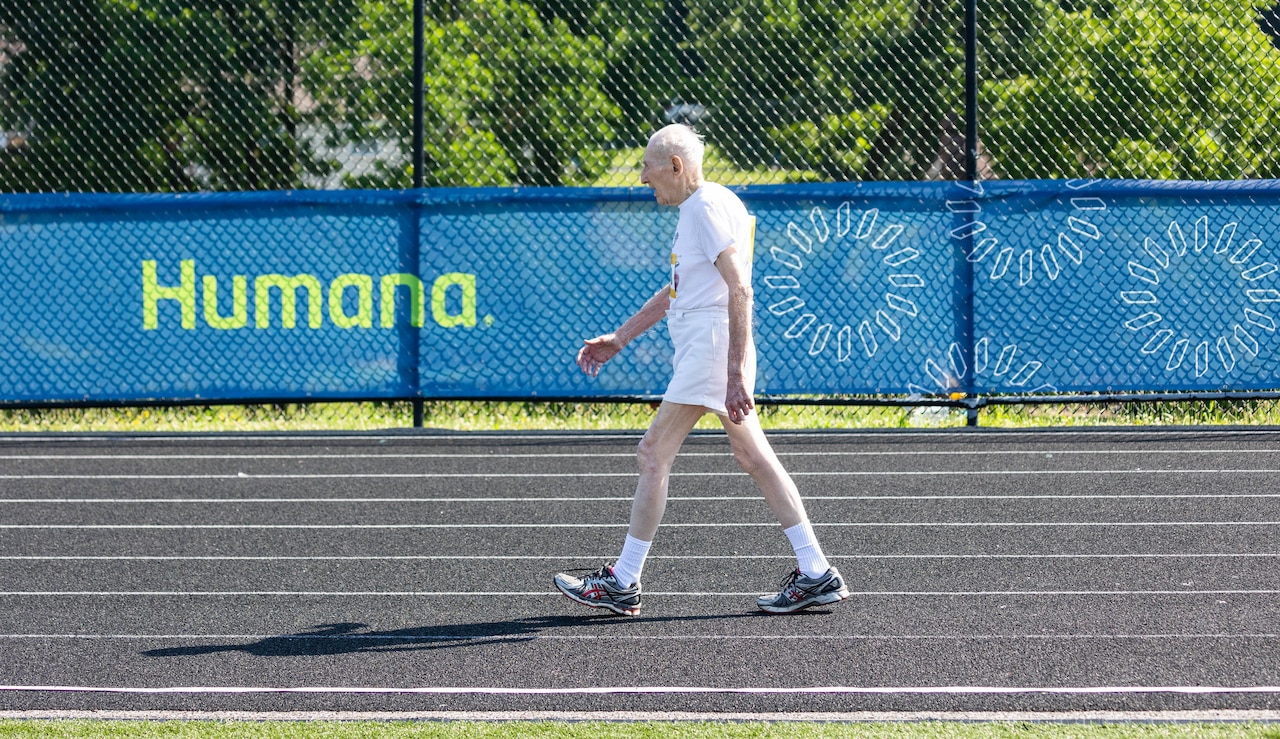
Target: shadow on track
<point>350,638</point>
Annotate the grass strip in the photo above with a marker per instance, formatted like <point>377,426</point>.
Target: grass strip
<point>562,416</point>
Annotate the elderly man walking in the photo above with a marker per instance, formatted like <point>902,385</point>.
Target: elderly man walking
<point>707,305</point>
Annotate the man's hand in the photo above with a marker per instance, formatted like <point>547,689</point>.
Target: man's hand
<point>595,352</point>
<point>737,401</point>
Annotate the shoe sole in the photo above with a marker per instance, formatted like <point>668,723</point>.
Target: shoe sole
<point>620,610</point>
<point>817,600</point>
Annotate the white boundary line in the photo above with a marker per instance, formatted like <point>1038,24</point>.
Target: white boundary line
<point>631,455</point>
<point>270,437</point>
<point>1109,717</point>
<point>628,498</point>
<point>627,637</point>
<point>602,557</point>
<point>539,594</point>
<point>632,474</point>
<point>674,525</point>
<point>663,690</point>
<point>415,437</point>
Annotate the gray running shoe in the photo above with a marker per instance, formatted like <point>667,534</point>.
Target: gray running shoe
<point>799,592</point>
<point>601,589</point>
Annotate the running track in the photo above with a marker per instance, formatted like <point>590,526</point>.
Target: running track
<point>1085,573</point>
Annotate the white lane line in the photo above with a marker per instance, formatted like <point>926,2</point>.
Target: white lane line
<point>666,690</point>
<point>420,437</point>
<point>631,717</point>
<point>628,498</point>
<point>631,455</point>
<point>519,636</point>
<point>273,501</point>
<point>388,455</point>
<point>533,594</point>
<point>320,437</point>
<point>673,525</point>
<point>632,474</point>
<point>602,557</point>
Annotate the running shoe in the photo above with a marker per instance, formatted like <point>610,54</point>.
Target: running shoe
<point>799,592</point>
<point>601,589</point>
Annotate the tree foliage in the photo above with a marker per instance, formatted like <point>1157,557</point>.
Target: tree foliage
<point>510,97</point>
<point>143,95</point>
<point>1169,89</point>
<point>139,95</point>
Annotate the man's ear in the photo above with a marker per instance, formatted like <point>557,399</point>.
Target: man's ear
<point>677,164</point>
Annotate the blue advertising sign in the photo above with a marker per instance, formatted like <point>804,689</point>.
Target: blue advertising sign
<point>860,288</point>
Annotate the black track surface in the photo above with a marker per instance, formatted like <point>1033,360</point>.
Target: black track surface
<point>1114,570</point>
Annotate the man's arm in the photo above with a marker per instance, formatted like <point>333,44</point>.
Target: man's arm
<point>597,351</point>
<point>738,402</point>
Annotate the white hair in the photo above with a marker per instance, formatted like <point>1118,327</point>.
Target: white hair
<point>679,140</point>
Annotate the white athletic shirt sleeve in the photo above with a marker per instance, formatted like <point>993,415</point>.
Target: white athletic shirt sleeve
<point>712,219</point>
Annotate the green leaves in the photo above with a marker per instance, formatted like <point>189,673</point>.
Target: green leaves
<point>510,98</point>
<point>1163,89</point>
<point>174,95</point>
<point>158,95</point>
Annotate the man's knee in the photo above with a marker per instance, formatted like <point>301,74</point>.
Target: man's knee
<point>753,459</point>
<point>650,457</point>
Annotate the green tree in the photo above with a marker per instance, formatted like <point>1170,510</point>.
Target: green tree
<point>98,89</point>
<point>770,66</point>
<point>548,110</point>
<point>1177,89</point>
<point>653,61</point>
<point>245,126</point>
<point>511,97</point>
<point>849,89</point>
<point>143,95</point>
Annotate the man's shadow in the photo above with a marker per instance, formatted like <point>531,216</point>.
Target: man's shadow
<point>352,638</point>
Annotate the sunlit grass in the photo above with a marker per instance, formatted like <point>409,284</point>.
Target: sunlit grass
<point>595,416</point>
<point>1172,413</point>
<point>445,415</point>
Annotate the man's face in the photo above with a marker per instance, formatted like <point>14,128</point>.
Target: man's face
<point>664,174</point>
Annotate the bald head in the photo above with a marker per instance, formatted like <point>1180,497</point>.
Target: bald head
<point>678,140</point>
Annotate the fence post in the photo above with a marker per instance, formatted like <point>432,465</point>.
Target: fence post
<point>965,267</point>
<point>419,161</point>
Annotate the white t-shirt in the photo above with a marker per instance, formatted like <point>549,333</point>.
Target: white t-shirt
<point>712,219</point>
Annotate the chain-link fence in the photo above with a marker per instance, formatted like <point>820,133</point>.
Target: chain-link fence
<point>174,96</point>
<point>193,95</point>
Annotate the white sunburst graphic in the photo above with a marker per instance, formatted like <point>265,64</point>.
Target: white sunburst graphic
<point>832,334</point>
<point>1219,267</point>
<point>1023,263</point>
<point>1007,362</point>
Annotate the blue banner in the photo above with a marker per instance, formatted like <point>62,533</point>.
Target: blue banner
<point>861,288</point>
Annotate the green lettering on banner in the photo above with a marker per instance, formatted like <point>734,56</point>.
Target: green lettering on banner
<point>389,285</point>
<point>363,284</point>
<point>239,304</point>
<point>466,316</point>
<point>153,293</point>
<point>453,299</point>
<point>288,287</point>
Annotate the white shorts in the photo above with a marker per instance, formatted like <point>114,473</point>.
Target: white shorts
<point>700,373</point>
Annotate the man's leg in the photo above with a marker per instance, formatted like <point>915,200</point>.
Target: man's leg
<point>656,454</point>
<point>756,457</point>
<point>814,581</point>
<point>617,587</point>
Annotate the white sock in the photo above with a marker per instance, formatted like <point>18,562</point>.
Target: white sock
<point>630,563</point>
<point>808,554</point>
